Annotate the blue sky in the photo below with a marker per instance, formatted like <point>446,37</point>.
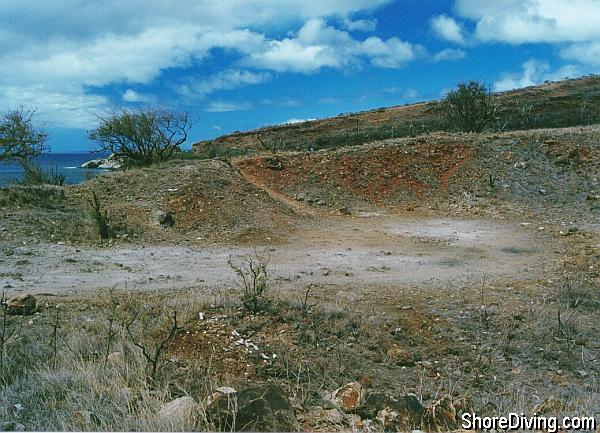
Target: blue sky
<point>243,64</point>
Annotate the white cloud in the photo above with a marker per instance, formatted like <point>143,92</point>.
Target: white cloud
<point>522,21</point>
<point>587,53</point>
<point>64,109</point>
<point>318,45</point>
<point>448,29</point>
<point>448,54</point>
<point>229,79</point>
<point>291,55</point>
<point>131,95</point>
<point>364,25</point>
<point>62,49</point>
<point>224,106</point>
<point>571,24</point>
<point>392,53</point>
<point>529,76</point>
<point>295,121</point>
<point>534,72</point>
<point>410,94</point>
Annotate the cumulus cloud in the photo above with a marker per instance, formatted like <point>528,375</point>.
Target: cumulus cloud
<point>533,21</point>
<point>534,72</point>
<point>62,51</point>
<point>448,29</point>
<point>587,53</point>
<point>318,45</point>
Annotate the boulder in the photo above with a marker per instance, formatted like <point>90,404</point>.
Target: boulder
<point>219,393</point>
<point>348,397</point>
<point>165,219</point>
<point>179,412</point>
<point>334,416</point>
<point>110,163</point>
<point>258,408</point>
<point>22,305</point>
<point>94,163</point>
<point>392,413</point>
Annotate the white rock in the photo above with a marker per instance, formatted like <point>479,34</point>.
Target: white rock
<point>178,412</point>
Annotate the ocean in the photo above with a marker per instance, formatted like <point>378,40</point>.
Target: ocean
<point>65,163</point>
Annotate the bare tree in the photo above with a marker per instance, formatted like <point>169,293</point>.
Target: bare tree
<point>470,107</point>
<point>272,142</point>
<point>142,137</point>
<point>152,351</point>
<point>20,140</point>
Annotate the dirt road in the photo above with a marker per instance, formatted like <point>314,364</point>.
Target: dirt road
<point>368,250</point>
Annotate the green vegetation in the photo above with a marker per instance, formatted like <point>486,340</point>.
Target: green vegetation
<point>213,151</point>
<point>552,105</point>
<point>470,107</point>
<point>142,137</point>
<point>20,140</point>
<point>253,277</point>
<point>101,218</point>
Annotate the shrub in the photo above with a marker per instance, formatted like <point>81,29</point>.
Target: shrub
<point>469,108</point>
<point>36,175</point>
<point>253,278</point>
<point>142,137</point>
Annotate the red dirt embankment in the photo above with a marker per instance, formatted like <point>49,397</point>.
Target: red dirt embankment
<point>379,174</point>
<point>534,169</point>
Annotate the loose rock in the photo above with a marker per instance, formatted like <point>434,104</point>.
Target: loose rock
<point>258,408</point>
<point>22,305</point>
<point>165,219</point>
<point>179,412</point>
<point>348,397</point>
<point>392,414</point>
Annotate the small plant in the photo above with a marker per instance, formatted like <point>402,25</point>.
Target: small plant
<point>272,142</point>
<point>492,181</point>
<point>55,327</point>
<point>306,303</point>
<point>6,333</point>
<point>470,107</point>
<point>153,349</point>
<point>100,217</point>
<point>527,116</point>
<point>35,175</point>
<point>111,317</point>
<point>253,278</point>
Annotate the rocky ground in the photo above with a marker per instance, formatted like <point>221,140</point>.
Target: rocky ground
<point>409,280</point>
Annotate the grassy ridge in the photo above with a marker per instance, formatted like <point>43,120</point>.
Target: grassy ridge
<point>561,104</point>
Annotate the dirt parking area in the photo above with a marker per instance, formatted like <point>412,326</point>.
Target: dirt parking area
<point>361,250</point>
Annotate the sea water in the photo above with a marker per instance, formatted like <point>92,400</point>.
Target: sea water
<point>68,164</point>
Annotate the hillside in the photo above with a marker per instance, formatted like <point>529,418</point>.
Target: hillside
<point>449,269</point>
<point>551,105</point>
<point>543,170</point>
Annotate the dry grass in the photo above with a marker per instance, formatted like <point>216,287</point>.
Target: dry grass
<point>503,346</point>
